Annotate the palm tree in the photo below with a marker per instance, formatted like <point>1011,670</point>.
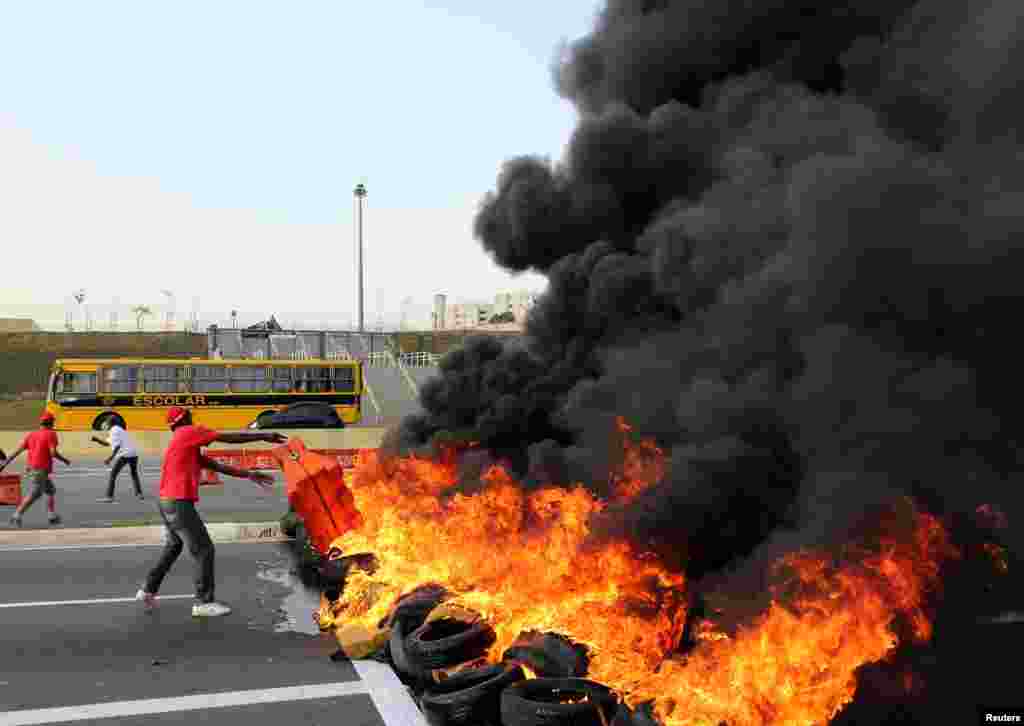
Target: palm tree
<point>141,311</point>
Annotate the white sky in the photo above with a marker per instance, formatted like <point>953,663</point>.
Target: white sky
<point>211,148</point>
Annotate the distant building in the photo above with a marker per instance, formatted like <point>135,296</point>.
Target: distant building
<point>517,303</point>
<point>462,316</point>
<point>18,325</point>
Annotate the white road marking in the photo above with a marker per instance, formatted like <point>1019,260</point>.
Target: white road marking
<point>388,694</point>
<point>143,707</point>
<point>98,601</point>
<point>41,548</point>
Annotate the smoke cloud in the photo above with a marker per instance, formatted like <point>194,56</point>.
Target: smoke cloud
<point>786,241</point>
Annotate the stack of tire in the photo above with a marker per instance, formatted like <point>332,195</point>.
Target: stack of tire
<point>488,695</point>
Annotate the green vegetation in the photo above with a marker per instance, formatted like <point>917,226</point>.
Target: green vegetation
<point>25,358</point>
<point>20,415</point>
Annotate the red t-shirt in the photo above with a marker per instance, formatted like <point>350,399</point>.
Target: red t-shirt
<point>40,445</point>
<point>179,478</point>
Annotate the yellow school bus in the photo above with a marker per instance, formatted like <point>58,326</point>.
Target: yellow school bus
<point>222,394</point>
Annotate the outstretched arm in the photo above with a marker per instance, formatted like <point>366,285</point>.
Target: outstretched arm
<point>264,480</point>
<point>249,438</point>
<point>59,457</point>
<point>100,441</point>
<point>14,456</point>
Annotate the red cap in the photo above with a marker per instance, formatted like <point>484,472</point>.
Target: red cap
<point>175,414</point>
<point>47,417</point>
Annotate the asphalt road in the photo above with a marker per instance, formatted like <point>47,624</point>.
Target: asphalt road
<point>101,659</point>
<point>79,485</point>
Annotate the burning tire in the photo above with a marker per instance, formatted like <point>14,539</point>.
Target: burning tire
<point>549,655</point>
<point>415,606</point>
<point>447,642</point>
<point>550,701</point>
<point>469,698</point>
<point>400,630</point>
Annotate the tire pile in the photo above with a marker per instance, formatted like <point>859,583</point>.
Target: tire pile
<point>441,659</point>
<point>423,647</point>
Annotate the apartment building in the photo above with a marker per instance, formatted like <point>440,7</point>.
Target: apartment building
<point>461,316</point>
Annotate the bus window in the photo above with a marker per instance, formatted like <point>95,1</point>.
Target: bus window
<point>76,383</point>
<point>163,379</point>
<point>209,379</point>
<point>249,379</point>
<point>120,379</point>
<point>310,379</point>
<point>282,379</point>
<point>344,378</point>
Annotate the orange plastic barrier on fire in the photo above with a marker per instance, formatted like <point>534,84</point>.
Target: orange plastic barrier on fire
<point>10,489</point>
<point>316,489</point>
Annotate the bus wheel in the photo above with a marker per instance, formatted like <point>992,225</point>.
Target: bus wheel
<point>102,419</point>
<point>264,419</point>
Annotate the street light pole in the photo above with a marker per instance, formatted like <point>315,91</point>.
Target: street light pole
<point>360,193</point>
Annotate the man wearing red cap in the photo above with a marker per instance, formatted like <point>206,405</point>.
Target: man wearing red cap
<point>179,492</point>
<point>41,446</point>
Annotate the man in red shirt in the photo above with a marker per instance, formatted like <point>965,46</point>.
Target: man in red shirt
<point>41,446</point>
<point>179,492</point>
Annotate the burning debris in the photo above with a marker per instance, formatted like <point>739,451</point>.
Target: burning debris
<point>784,244</point>
<point>541,590</point>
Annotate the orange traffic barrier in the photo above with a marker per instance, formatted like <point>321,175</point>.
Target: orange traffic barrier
<point>346,457</point>
<point>231,458</point>
<point>258,459</point>
<point>316,489</point>
<point>10,489</point>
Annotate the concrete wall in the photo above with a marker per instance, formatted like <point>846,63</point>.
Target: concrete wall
<point>77,444</point>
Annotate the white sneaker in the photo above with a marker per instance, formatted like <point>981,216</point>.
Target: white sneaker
<point>209,610</point>
<point>147,599</point>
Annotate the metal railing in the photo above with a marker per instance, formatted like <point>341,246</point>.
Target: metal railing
<point>387,359</point>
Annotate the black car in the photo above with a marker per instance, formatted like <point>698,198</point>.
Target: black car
<point>300,416</point>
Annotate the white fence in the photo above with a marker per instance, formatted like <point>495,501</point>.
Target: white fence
<point>387,359</point>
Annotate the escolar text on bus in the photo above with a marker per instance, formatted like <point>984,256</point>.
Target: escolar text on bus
<point>172,400</point>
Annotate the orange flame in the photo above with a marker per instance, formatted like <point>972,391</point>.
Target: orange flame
<point>796,663</point>
<point>525,562</point>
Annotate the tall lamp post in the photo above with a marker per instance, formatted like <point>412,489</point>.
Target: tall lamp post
<point>360,193</point>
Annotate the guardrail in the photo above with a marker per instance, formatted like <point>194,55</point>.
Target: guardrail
<point>387,359</point>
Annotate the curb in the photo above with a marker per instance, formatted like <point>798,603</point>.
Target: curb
<point>220,533</point>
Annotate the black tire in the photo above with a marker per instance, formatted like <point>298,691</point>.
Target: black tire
<point>549,655</point>
<point>400,630</point>
<point>470,697</point>
<point>447,642</point>
<point>263,420</point>
<point>551,701</point>
<point>97,425</point>
<point>415,606</point>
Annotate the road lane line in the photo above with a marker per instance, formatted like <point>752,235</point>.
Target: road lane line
<point>388,694</point>
<point>97,601</point>
<point>44,548</point>
<point>144,707</point>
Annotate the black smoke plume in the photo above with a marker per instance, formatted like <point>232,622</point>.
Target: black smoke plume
<point>786,239</point>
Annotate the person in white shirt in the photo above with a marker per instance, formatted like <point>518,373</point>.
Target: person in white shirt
<point>124,453</point>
